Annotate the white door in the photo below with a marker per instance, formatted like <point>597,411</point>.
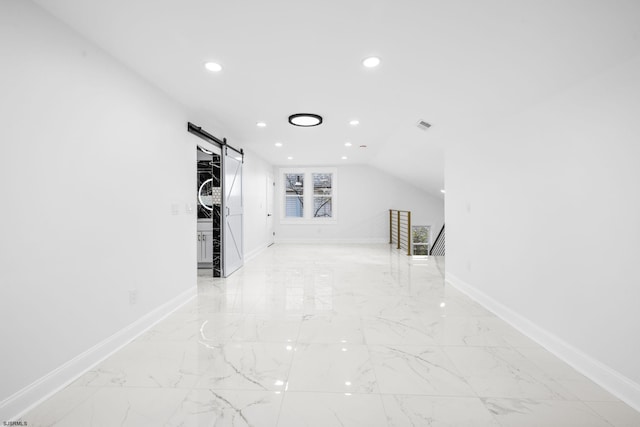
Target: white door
<point>233,253</point>
<point>270,206</point>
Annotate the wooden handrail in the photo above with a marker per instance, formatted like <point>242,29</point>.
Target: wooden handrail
<point>398,230</point>
<point>402,230</point>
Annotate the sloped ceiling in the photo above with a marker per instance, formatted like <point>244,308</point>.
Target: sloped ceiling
<point>451,63</point>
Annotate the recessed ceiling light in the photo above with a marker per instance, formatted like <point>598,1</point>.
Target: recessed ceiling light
<point>348,144</point>
<point>354,122</point>
<point>344,157</point>
<point>305,120</point>
<point>289,158</point>
<point>278,144</point>
<point>371,62</point>
<point>261,124</point>
<point>213,66</point>
<point>442,191</point>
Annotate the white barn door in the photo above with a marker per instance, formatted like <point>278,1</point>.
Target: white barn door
<point>232,212</point>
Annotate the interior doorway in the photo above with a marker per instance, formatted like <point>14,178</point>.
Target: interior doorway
<point>209,209</point>
<point>271,184</point>
<point>220,237</point>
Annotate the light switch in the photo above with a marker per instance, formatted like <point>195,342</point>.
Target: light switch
<point>133,296</point>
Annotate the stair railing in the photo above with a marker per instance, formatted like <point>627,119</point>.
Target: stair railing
<point>438,246</point>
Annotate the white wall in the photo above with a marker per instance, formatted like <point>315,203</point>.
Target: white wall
<point>365,195</point>
<point>543,219</point>
<point>254,176</point>
<point>92,162</point>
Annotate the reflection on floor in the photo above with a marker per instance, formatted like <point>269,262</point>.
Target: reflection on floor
<point>348,335</point>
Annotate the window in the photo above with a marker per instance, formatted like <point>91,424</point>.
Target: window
<point>322,195</point>
<point>309,195</point>
<point>294,195</point>
<point>421,236</point>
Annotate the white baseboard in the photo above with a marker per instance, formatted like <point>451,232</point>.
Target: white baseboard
<point>16,405</point>
<point>615,383</point>
<point>254,253</point>
<point>355,241</point>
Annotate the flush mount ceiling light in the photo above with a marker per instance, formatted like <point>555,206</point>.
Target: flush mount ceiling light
<point>278,144</point>
<point>261,124</point>
<point>344,157</point>
<point>289,158</point>
<point>347,144</point>
<point>354,122</point>
<point>213,67</point>
<point>305,120</point>
<point>371,62</point>
<point>443,191</point>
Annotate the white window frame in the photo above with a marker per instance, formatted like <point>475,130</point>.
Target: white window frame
<point>308,195</point>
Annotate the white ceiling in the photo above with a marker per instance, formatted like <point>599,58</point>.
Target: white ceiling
<point>451,63</point>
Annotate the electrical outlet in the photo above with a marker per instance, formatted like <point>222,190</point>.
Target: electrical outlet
<point>133,296</point>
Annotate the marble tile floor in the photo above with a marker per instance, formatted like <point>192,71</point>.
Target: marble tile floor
<point>332,335</point>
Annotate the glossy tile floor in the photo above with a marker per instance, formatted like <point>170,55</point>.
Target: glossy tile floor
<point>348,335</point>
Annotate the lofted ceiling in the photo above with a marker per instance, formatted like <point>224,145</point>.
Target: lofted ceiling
<point>454,64</point>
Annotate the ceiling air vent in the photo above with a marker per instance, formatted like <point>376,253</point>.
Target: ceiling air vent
<point>423,125</point>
